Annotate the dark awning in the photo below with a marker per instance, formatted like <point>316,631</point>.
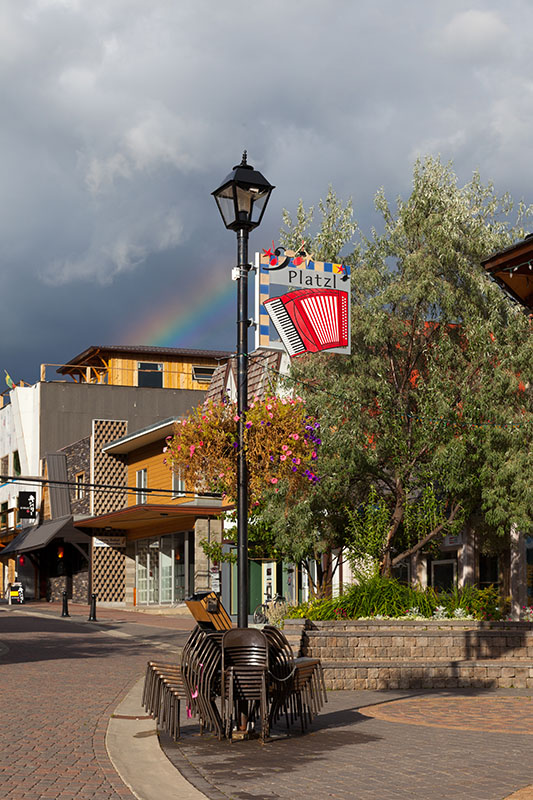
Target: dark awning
<point>38,536</point>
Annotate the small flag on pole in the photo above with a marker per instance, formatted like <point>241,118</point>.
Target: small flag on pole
<point>9,380</point>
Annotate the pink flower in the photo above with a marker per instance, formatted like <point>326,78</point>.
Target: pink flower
<point>271,415</point>
<point>273,480</point>
<point>295,460</point>
<point>283,458</point>
<point>192,448</point>
<point>284,447</point>
<point>178,447</point>
<point>221,475</point>
<point>236,418</point>
<point>269,407</point>
<point>295,436</point>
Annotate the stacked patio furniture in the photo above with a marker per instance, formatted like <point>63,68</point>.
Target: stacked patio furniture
<point>162,693</point>
<point>244,680</point>
<point>233,679</point>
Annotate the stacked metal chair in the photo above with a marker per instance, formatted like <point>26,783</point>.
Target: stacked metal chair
<point>245,680</point>
<point>281,673</point>
<point>298,687</point>
<point>200,668</point>
<point>308,691</point>
<point>163,690</point>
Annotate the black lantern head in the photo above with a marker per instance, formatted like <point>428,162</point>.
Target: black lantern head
<point>242,197</point>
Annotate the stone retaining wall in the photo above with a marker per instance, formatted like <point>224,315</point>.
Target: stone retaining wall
<point>384,654</point>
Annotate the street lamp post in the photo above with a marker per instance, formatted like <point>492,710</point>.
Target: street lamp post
<point>242,199</point>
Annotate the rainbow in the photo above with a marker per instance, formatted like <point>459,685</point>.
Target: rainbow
<point>189,321</point>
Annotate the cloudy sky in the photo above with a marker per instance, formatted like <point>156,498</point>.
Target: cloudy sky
<point>119,117</point>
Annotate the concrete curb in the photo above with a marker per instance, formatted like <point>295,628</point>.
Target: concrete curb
<point>133,746</point>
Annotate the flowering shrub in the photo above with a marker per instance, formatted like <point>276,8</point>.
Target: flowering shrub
<point>280,439</point>
<point>527,613</point>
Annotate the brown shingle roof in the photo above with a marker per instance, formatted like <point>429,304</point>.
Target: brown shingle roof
<point>262,379</point>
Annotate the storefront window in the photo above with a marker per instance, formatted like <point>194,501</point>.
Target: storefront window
<point>164,568</point>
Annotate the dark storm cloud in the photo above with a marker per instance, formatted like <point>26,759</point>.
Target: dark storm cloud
<point>120,117</point>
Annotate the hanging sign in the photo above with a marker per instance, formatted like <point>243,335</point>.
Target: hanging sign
<point>302,305</point>
<point>27,505</point>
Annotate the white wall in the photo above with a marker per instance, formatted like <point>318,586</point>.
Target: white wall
<point>19,430</point>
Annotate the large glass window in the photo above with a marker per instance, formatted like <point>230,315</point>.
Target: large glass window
<point>165,568</point>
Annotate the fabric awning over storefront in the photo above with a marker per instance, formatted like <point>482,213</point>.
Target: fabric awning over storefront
<point>38,536</point>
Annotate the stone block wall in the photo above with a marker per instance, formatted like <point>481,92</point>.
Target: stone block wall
<point>79,460</point>
<point>428,654</point>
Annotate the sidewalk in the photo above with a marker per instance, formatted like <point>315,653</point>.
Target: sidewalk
<point>421,745</point>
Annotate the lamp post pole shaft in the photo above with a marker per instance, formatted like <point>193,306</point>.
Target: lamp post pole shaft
<point>242,403</point>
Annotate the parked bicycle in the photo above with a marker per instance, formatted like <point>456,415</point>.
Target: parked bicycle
<point>261,612</point>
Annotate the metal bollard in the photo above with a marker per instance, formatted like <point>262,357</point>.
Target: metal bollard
<point>65,613</point>
<point>92,612</point>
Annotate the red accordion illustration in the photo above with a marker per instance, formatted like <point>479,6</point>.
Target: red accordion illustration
<point>309,320</point>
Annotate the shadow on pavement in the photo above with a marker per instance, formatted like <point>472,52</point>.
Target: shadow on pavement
<point>32,639</point>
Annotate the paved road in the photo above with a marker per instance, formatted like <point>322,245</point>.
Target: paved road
<point>377,746</point>
<point>60,680</point>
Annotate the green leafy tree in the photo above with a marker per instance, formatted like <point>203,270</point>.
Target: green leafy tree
<point>434,401</point>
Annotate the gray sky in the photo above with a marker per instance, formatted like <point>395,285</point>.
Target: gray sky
<point>119,117</point>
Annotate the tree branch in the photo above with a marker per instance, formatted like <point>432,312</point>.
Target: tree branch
<point>419,545</point>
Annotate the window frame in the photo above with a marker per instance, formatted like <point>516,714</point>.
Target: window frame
<point>178,485</point>
<point>150,368</point>
<point>202,374</point>
<point>80,491</point>
<point>141,482</point>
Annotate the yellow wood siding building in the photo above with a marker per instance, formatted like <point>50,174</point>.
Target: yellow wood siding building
<point>157,367</point>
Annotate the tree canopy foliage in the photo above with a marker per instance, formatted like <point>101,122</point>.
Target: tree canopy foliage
<point>434,403</point>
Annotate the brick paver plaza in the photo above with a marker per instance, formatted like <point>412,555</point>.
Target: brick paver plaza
<point>60,681</point>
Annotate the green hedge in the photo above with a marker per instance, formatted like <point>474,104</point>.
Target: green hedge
<point>387,597</point>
